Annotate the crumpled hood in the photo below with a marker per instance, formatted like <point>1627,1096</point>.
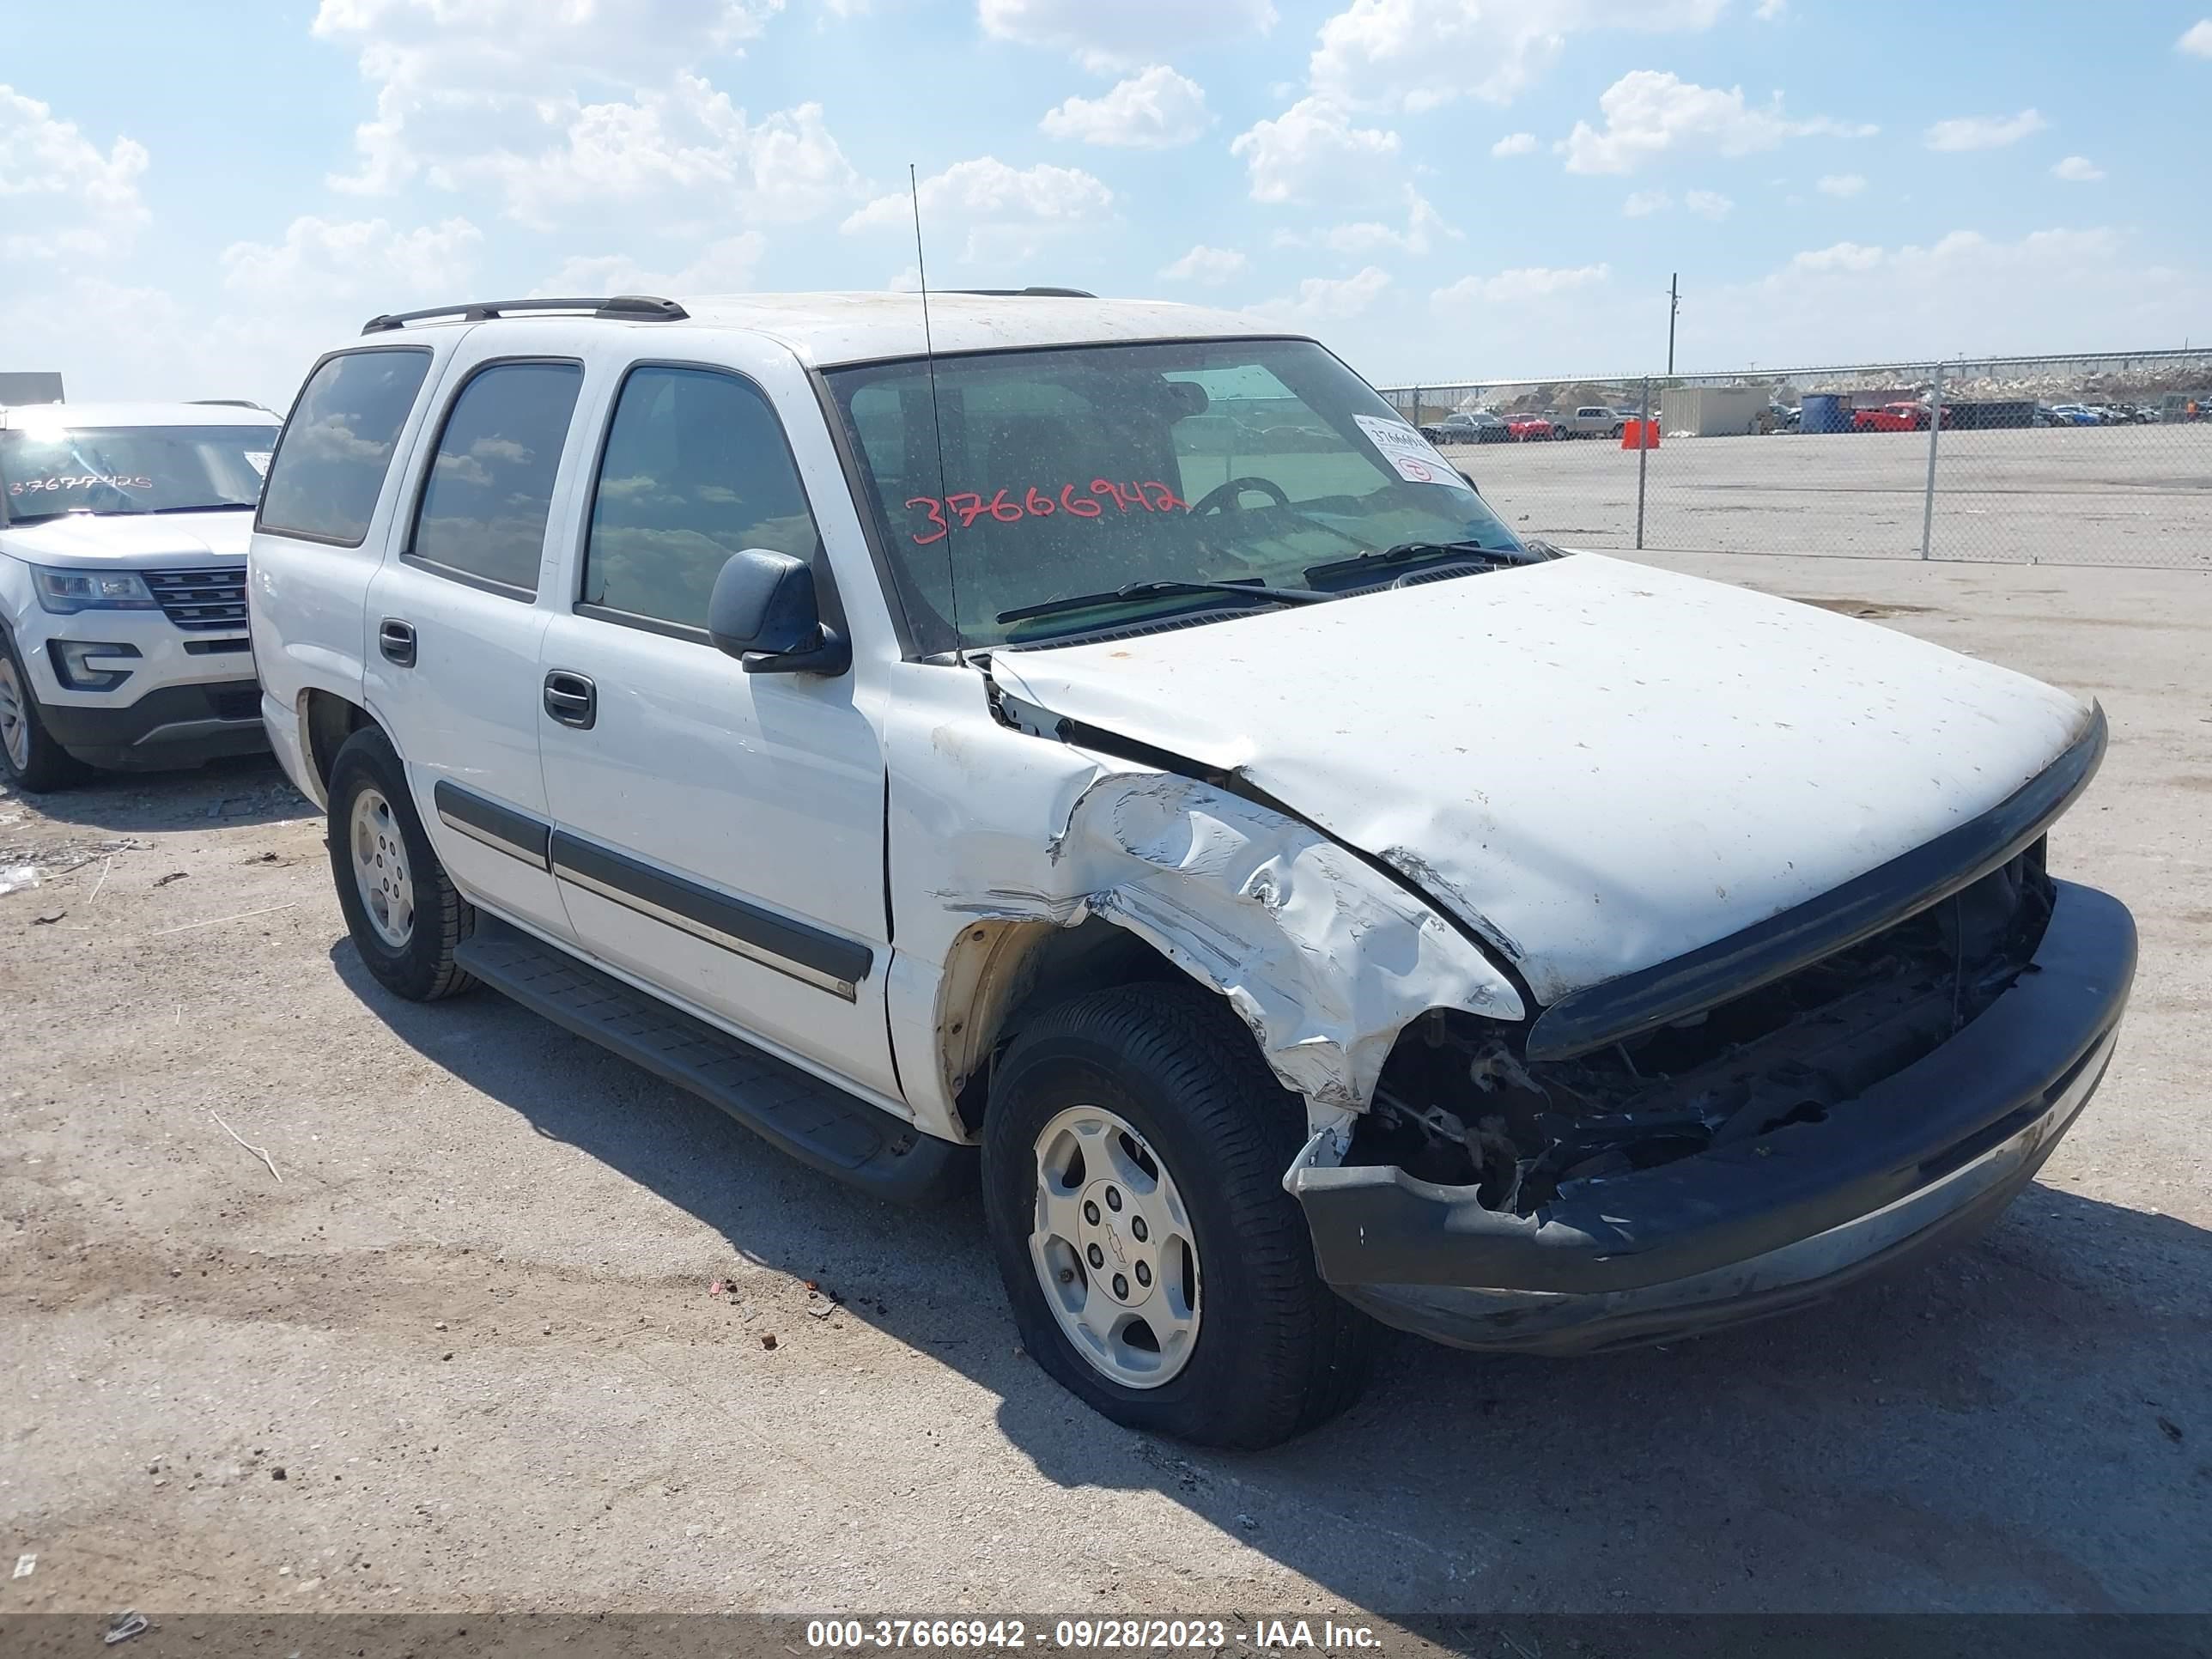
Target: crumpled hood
<point>162,541</point>
<point>1596,765</point>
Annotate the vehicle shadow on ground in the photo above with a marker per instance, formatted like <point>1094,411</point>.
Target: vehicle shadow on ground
<point>247,789</point>
<point>1931,1438</point>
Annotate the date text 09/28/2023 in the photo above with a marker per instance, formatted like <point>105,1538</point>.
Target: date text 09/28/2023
<point>1086,1635</point>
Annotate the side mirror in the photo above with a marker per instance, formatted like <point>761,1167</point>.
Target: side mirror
<point>766,614</point>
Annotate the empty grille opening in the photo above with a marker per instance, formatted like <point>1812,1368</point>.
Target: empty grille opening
<point>235,702</point>
<point>201,600</point>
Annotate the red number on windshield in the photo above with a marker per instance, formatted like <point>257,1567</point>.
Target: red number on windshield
<point>936,517</point>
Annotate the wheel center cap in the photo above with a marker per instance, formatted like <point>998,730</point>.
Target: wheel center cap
<point>1120,1264</point>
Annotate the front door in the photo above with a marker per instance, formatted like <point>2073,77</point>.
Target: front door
<point>717,834</point>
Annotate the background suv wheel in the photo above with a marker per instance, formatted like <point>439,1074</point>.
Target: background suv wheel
<point>30,759</point>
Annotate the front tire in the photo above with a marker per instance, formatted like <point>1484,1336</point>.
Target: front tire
<point>1133,1164</point>
<point>404,913</point>
<point>30,759</point>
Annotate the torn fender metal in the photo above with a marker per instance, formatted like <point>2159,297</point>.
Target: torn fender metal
<point>999,839</point>
<point>1325,959</point>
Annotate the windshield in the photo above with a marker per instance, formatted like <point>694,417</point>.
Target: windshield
<point>51,470</point>
<point>1079,471</point>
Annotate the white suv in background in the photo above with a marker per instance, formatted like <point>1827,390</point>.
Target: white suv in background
<point>1118,743</point>
<point>122,533</point>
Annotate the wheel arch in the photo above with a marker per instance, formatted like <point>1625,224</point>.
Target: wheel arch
<point>1002,972</point>
<point>326,720</point>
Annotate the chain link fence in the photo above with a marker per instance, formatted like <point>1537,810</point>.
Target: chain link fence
<point>2103,459</point>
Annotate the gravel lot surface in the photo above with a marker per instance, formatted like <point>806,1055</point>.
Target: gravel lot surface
<point>459,1349</point>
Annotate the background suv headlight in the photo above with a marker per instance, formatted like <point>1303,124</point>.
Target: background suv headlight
<point>90,665</point>
<point>64,593</point>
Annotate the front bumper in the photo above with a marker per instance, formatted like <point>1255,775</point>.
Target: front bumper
<point>172,726</point>
<point>1728,1236</point>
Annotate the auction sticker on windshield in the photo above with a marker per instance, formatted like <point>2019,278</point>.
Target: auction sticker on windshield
<point>1414,457</point>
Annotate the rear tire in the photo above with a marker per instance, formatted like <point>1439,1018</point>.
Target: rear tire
<point>404,913</point>
<point>1271,1351</point>
<point>30,759</point>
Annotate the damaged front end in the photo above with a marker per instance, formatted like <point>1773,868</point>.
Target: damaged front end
<point>1458,1105</point>
<point>1737,1160</point>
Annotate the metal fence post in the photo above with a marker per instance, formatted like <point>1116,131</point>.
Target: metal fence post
<point>1643,457</point>
<point>1935,431</point>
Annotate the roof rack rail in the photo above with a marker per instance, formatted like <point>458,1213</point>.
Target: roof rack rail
<point>227,403</point>
<point>1029,293</point>
<point>622,308</point>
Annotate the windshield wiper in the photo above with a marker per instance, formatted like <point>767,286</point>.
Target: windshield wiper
<point>203,507</point>
<point>1253,591</point>
<point>1405,553</point>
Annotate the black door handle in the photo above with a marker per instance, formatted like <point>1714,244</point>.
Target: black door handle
<point>572,699</point>
<point>396,640</point>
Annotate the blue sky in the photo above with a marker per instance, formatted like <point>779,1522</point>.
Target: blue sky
<point>195,199</point>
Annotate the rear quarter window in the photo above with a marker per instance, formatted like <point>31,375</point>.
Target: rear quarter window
<point>329,465</point>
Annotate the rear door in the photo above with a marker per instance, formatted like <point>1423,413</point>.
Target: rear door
<point>455,618</point>
<point>718,833</point>
<point>326,517</point>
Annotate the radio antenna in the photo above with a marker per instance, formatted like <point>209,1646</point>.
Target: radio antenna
<point>936,421</point>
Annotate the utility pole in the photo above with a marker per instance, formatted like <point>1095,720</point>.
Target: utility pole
<point>1674,307</point>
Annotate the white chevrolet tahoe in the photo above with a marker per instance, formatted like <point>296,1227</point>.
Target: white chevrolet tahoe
<point>122,531</point>
<point>1114,744</point>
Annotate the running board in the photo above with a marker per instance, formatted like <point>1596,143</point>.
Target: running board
<point>797,1113</point>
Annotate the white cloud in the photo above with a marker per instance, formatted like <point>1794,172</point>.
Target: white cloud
<point>1424,226</point>
<point>2080,289</point>
<point>2196,39</point>
<point>2077,169</point>
<point>1211,266</point>
<point>458,79</point>
<point>1515,143</point>
<point>1311,150</point>
<point>1841,184</point>
<point>1528,282</point>
<point>1004,213</point>
<point>1984,132</point>
<point>686,150</point>
<point>1770,11</point>
<point>1126,31</point>
<point>1417,54</point>
<point>1324,299</point>
<point>364,260</point>
<point>1842,256</point>
<point>1643,204</point>
<point>1650,113</point>
<point>1154,109</point>
<point>724,266</point>
<point>1709,205</point>
<point>61,197</point>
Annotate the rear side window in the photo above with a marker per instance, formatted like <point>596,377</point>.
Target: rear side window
<point>490,488</point>
<point>329,468</point>
<point>696,468</point>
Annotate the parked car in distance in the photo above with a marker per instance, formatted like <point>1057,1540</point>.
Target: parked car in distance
<point>123,634</point>
<point>2076,414</point>
<point>1898,417</point>
<point>1595,421</point>
<point>1784,418</point>
<point>1533,428</point>
<point>982,810</point>
<point>1468,426</point>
